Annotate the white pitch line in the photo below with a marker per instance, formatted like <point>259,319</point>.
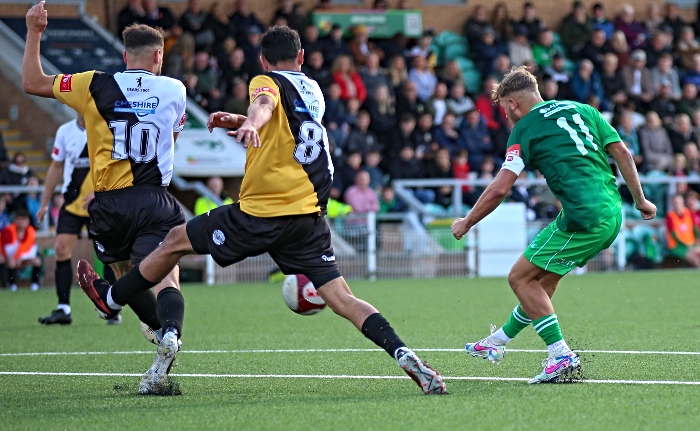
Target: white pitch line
<point>341,376</point>
<point>150,352</point>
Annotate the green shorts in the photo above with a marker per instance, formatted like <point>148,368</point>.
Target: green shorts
<point>559,252</point>
<point>678,251</point>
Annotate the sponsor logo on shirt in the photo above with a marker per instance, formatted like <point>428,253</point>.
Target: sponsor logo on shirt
<point>65,85</point>
<point>140,108</point>
<point>328,258</point>
<point>259,90</point>
<point>218,237</point>
<point>56,151</point>
<point>304,90</point>
<point>309,108</point>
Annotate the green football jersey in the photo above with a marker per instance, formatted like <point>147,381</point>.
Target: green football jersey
<point>566,142</point>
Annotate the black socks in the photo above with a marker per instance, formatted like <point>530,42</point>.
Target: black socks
<point>144,306</point>
<point>64,280</point>
<point>171,308</point>
<point>130,286</point>
<point>377,329</point>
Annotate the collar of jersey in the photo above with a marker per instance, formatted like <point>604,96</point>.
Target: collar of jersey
<point>138,71</point>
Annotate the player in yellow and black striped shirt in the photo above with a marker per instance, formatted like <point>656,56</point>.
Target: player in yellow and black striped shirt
<point>282,200</point>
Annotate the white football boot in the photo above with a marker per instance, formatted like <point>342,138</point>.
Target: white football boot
<point>425,376</point>
<point>153,380</point>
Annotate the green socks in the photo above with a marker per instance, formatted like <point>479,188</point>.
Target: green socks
<point>548,329</point>
<point>517,321</point>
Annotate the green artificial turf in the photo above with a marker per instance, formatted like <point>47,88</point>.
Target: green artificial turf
<point>224,325</point>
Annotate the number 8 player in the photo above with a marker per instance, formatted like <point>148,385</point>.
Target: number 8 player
<point>568,143</point>
<point>132,120</point>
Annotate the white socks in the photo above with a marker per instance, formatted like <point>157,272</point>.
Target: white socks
<point>499,338</point>
<point>110,302</point>
<point>64,307</point>
<point>558,349</point>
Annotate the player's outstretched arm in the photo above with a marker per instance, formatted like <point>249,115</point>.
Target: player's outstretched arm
<point>34,81</point>
<point>225,120</point>
<point>625,163</point>
<point>488,201</point>
<point>259,113</point>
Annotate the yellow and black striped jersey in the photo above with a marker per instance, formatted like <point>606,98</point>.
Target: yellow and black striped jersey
<point>291,173</point>
<point>70,147</point>
<point>130,118</point>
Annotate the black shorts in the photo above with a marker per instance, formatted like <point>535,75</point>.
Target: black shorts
<point>70,223</point>
<point>129,223</point>
<point>298,244</point>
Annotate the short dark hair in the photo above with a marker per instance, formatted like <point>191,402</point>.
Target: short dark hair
<point>280,43</point>
<point>22,212</point>
<point>139,36</point>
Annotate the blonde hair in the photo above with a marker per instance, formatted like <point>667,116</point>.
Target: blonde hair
<point>518,79</point>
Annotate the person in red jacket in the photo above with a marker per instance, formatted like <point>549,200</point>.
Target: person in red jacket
<point>351,85</point>
<point>18,250</point>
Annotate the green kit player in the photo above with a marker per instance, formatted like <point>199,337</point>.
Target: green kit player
<point>569,143</point>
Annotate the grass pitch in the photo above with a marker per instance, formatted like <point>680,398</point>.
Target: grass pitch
<point>248,363</point>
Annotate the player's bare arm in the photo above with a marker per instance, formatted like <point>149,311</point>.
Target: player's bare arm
<point>628,169</point>
<point>259,113</point>
<point>34,81</point>
<point>53,176</point>
<point>225,120</point>
<point>488,201</point>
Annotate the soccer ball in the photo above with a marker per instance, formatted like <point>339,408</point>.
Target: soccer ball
<point>301,296</point>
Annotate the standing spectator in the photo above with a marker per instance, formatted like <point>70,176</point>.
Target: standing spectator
<point>657,47</point>
<point>132,13</point>
<point>475,25</point>
<point>682,236</point>
<point>361,47</point>
<point>628,135</point>
<point>157,16</point>
<point>656,145</point>
<point>681,132</point>
<point>486,50</point>
<point>361,140</point>
<point>673,19</point>
<point>251,48</point>
<point>447,136</point>
<point>614,88</point>
<point>423,77</point>
<point>477,139</point>
<point>218,23</point>
<point>531,21</point>
<point>373,76</point>
<point>595,49</point>
<point>576,29</point>
<point>382,110</point>
<point>634,31</point>
<point>204,204</point>
<point>398,74</point>
<point>316,69</point>
<point>243,19</point>
<point>439,102</point>
<point>192,21</point>
<point>519,49</point>
<point>18,241</point>
<point>654,19</point>
<point>687,47</point>
<point>544,50</point>
<point>502,23</point>
<point>637,76</point>
<point>459,103</point>
<point>360,196</point>
<point>689,102</point>
<point>601,21</point>
<point>344,74</point>
<point>664,72</point>
<point>585,83</point>
<point>335,45</point>
<point>618,43</point>
<point>290,12</point>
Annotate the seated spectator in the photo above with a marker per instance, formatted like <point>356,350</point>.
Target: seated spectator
<point>238,102</point>
<point>501,67</point>
<point>486,50</point>
<point>446,136</point>
<point>585,83</point>
<point>360,196</point>
<point>424,48</point>
<point>576,29</point>
<point>519,49</point>
<point>203,204</point>
<point>441,167</point>
<point>502,23</point>
<point>614,88</point>
<point>31,201</point>
<point>450,74</point>
<point>696,122</point>
<point>628,135</point>
<point>544,50</point>
<point>383,113</point>
<point>496,121</point>
<point>133,13</point>
<point>692,202</point>
<point>243,19</point>
<point>486,172</point>
<point>158,16</point>
<point>682,236</point>
<point>424,136</point>
<point>315,69</point>
<point>595,49</point>
<point>335,118</point>
<point>18,173</point>
<point>207,82</point>
<point>459,103</point>
<point>532,22</point>
<point>406,166</point>
<point>687,47</point>
<point>519,193</point>
<point>664,72</point>
<point>692,76</point>
<point>395,46</point>
<point>557,71</point>
<point>640,87</point>
<point>289,11</point>
<point>353,108</point>
<point>475,25</point>
<point>310,41</point>
<point>618,43</point>
<point>657,47</point>
<point>439,102</point>
<point>408,135</point>
<point>226,48</point>
<point>373,76</point>
<point>634,31</point>
<point>218,23</point>
<point>664,105</point>
<point>57,202</point>
<point>424,79</point>
<point>692,159</point>
<point>251,48</point>
<point>654,20</point>
<point>398,74</point>
<point>389,203</point>
<point>377,178</point>
<point>192,22</point>
<point>550,89</point>
<point>335,45</point>
<point>477,139</point>
<point>673,19</point>
<point>601,21</point>
<point>344,74</point>
<point>235,69</point>
<point>361,140</point>
<point>656,145</point>
<point>461,170</point>
<point>361,47</point>
<point>689,102</point>
<point>18,243</point>
<point>348,171</point>
<point>681,132</point>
